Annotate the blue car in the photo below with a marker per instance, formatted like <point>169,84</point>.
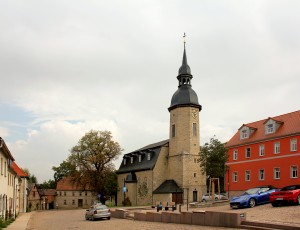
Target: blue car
<point>253,196</point>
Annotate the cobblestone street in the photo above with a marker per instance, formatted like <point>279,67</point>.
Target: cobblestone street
<point>74,219</point>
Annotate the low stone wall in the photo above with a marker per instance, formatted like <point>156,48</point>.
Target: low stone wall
<point>203,218</point>
<point>119,213</point>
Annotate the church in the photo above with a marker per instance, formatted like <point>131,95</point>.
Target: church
<point>168,171</point>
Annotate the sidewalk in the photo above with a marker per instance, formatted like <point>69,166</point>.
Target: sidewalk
<point>21,222</point>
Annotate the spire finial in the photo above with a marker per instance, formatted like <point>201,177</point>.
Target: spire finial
<point>184,41</point>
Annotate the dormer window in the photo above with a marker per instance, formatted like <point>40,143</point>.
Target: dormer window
<point>244,134</point>
<point>140,158</point>
<point>124,161</point>
<point>271,126</point>
<point>246,131</point>
<point>131,160</point>
<point>148,156</point>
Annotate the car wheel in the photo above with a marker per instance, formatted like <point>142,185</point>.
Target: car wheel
<point>275,204</point>
<point>298,199</point>
<point>108,218</point>
<point>252,203</point>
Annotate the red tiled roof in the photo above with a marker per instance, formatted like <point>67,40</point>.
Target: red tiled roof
<point>47,192</point>
<point>18,170</point>
<point>290,125</point>
<point>67,184</point>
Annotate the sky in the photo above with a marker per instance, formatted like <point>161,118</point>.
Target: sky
<point>69,66</point>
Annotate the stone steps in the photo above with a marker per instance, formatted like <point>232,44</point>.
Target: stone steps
<point>267,226</point>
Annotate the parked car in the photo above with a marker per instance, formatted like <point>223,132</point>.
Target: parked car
<point>98,212</point>
<point>287,195</point>
<point>253,196</point>
<point>208,197</point>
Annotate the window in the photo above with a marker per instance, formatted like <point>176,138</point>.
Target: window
<point>276,173</point>
<point>270,128</point>
<point>148,156</point>
<point>131,160</point>
<point>80,193</point>
<point>65,202</point>
<point>1,166</point>
<point>235,154</point>
<point>85,193</point>
<point>276,147</point>
<point>248,153</point>
<point>235,177</point>
<point>5,165</point>
<point>261,174</point>
<point>195,174</point>
<point>247,175</point>
<point>293,144</point>
<point>73,193</point>
<point>124,161</point>
<point>294,172</point>
<point>60,193</point>
<point>244,134</point>
<point>194,129</point>
<point>140,158</point>
<point>33,193</point>
<point>261,150</point>
<point>65,193</point>
<point>73,202</point>
<point>173,130</point>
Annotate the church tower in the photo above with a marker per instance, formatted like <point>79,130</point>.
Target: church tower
<point>184,141</point>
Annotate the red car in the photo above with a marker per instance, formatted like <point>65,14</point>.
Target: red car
<point>287,195</point>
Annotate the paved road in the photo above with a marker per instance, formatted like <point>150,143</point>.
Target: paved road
<point>74,220</point>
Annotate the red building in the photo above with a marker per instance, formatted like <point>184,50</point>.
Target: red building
<point>264,152</point>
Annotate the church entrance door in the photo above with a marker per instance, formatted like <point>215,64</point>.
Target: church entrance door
<point>177,198</point>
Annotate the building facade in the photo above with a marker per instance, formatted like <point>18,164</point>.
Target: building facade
<point>21,188</point>
<point>71,195</point>
<point>34,198</point>
<point>47,198</point>
<point>7,181</point>
<point>168,171</point>
<point>264,152</point>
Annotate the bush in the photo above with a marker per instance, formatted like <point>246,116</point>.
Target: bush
<point>126,202</point>
<point>5,223</point>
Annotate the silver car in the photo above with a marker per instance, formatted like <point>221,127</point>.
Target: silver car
<point>98,212</point>
<point>208,197</point>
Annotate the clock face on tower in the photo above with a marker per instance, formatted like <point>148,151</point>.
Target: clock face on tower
<point>194,113</point>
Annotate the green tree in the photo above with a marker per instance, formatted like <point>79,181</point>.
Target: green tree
<point>65,169</point>
<point>31,177</point>
<point>111,183</point>
<point>213,156</point>
<point>50,184</point>
<point>90,161</point>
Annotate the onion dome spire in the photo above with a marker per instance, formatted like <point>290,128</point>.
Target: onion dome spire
<point>185,95</point>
